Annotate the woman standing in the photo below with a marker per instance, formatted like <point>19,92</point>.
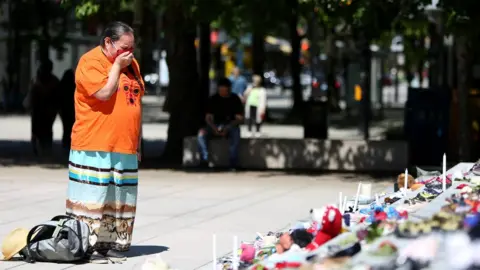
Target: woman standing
<point>256,103</point>
<point>105,147</point>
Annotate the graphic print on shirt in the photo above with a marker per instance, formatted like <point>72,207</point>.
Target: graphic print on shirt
<point>131,90</point>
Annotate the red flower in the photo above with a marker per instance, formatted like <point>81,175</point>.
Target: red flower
<point>283,265</point>
<point>381,216</point>
<point>403,214</point>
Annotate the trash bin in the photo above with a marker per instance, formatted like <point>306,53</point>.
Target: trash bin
<point>426,125</point>
<point>315,124</point>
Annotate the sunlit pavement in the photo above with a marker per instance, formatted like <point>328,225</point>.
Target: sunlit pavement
<point>17,128</point>
<point>178,212</point>
<point>15,135</point>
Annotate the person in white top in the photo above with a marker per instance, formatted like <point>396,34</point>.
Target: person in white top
<point>255,105</point>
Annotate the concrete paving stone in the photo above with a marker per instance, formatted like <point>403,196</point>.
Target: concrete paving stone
<point>162,228</point>
<point>171,206</point>
<point>178,210</point>
<point>192,246</point>
<point>40,266</point>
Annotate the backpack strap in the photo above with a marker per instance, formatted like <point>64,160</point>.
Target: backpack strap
<point>61,223</point>
<point>80,252</point>
<point>59,217</point>
<point>37,230</point>
<point>59,227</point>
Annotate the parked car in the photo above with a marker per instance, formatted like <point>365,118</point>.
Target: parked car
<point>305,79</point>
<point>270,79</point>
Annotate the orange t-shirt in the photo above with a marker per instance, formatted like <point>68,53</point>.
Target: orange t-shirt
<point>112,125</point>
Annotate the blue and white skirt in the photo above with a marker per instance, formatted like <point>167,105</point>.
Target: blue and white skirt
<point>102,192</point>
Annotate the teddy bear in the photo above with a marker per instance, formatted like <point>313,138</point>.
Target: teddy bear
<point>401,181</point>
<point>330,220</point>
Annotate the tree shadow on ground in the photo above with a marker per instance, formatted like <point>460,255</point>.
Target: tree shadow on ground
<point>139,250</point>
<point>20,153</point>
<point>309,156</point>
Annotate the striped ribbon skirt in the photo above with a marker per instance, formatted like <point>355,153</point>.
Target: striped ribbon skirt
<point>102,192</point>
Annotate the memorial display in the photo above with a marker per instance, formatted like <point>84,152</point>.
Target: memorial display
<point>413,228</point>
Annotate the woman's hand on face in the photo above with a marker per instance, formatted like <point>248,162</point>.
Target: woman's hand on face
<point>124,59</point>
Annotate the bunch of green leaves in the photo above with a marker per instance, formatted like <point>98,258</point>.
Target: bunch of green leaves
<point>461,17</point>
<point>374,231</point>
<point>86,8</point>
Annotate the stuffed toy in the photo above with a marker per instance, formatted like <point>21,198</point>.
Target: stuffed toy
<point>248,253</point>
<point>401,181</point>
<point>330,220</point>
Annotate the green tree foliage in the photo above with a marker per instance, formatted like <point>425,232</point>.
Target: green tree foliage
<point>86,8</point>
<point>43,16</point>
<point>461,16</point>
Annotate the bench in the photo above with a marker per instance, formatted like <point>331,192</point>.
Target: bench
<point>305,154</point>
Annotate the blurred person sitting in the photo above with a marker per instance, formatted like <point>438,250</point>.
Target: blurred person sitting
<point>223,117</point>
<point>255,106</point>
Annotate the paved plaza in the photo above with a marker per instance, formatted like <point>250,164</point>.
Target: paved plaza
<point>177,211</point>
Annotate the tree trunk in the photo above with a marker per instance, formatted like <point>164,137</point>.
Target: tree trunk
<point>218,63</point>
<point>295,66</point>
<point>15,51</point>
<point>142,24</point>
<point>45,39</point>
<point>421,62</point>
<point>204,66</point>
<point>464,54</point>
<point>366,55</point>
<point>258,51</point>
<point>183,96</point>
<point>434,69</point>
<point>332,94</point>
<point>367,110</point>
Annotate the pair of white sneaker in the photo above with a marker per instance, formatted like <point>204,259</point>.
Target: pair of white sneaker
<point>253,134</point>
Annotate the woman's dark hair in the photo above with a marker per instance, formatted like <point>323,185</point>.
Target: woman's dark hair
<point>114,31</point>
<point>224,82</point>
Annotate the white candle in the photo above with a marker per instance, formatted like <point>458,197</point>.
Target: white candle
<point>405,187</point>
<point>444,167</point>
<point>340,199</point>
<point>235,253</point>
<point>214,251</point>
<point>377,200</point>
<point>344,204</point>
<point>355,204</point>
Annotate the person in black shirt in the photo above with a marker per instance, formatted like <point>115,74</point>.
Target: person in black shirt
<point>224,115</point>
